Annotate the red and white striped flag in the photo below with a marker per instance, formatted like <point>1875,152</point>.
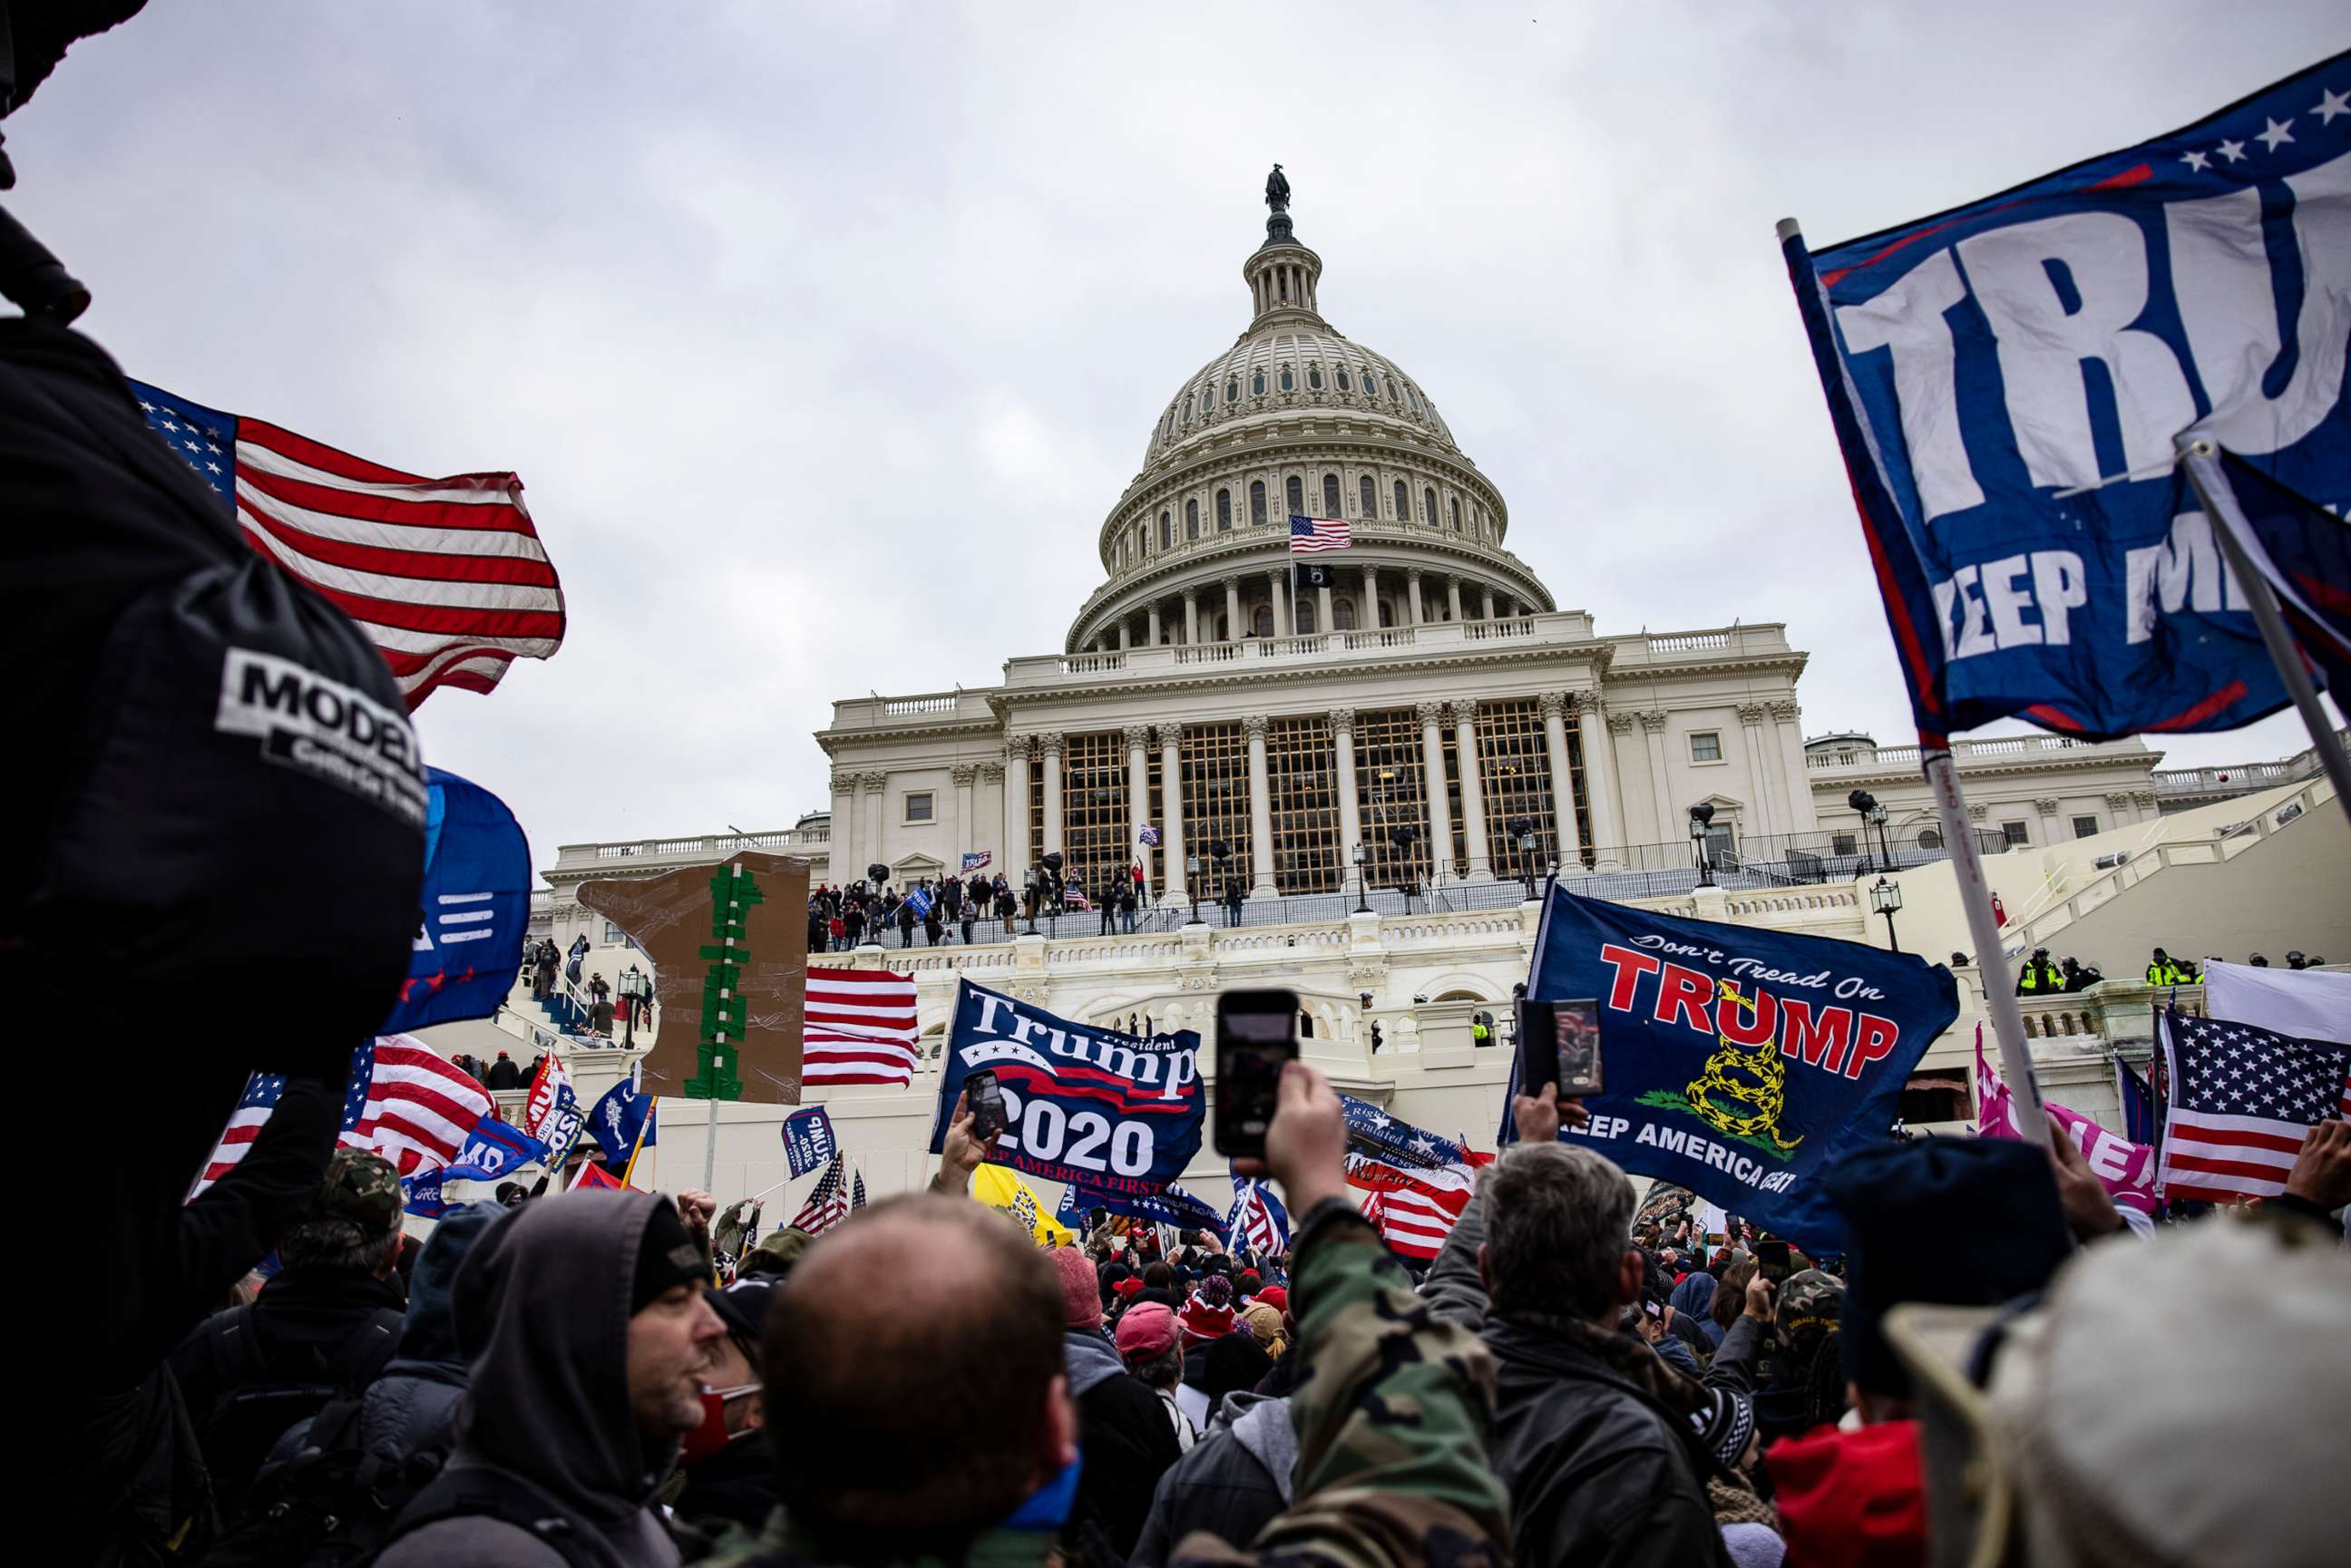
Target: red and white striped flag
<point>402,1101</point>
<point>2241,1100</point>
<point>446,577</point>
<point>859,1028</point>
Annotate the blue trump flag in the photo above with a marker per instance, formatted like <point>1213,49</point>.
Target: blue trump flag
<point>1173,1206</point>
<point>808,1140</point>
<point>420,1195</point>
<point>1741,1063</point>
<point>476,904</point>
<point>620,1118</point>
<point>1088,1107</point>
<point>492,1150</point>
<point>2008,380</point>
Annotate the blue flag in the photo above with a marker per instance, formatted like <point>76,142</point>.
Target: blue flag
<point>493,1150</point>
<point>2006,380</point>
<point>476,904</point>
<point>618,1119</point>
<point>808,1140</point>
<point>421,1195</point>
<point>920,899</point>
<point>1173,1206</point>
<point>1741,1063</point>
<point>2138,1104</point>
<point>1088,1107</point>
<point>1257,1222</point>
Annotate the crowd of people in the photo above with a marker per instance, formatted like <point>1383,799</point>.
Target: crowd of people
<point>2037,977</point>
<point>617,1377</point>
<point>866,911</point>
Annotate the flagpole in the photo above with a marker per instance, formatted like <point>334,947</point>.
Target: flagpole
<point>2230,531</point>
<point>1983,930</point>
<point>630,1169</point>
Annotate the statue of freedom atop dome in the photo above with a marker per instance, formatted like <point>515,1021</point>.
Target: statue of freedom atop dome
<point>1277,191</point>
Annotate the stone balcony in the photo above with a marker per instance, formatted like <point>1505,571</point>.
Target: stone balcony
<point>639,857</point>
<point>2003,752</point>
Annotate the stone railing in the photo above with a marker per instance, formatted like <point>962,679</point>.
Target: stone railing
<point>2005,747</point>
<point>709,846</point>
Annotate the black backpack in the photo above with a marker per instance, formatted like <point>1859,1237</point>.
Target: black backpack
<point>334,1502</point>
<point>507,1500</point>
<point>264,1399</point>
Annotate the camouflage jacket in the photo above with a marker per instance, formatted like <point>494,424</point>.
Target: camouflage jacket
<point>1394,1411</point>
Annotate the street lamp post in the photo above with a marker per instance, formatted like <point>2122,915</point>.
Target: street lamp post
<point>1362,858</point>
<point>1221,851</point>
<point>1522,832</point>
<point>1700,816</point>
<point>1862,803</point>
<point>632,980</point>
<point>1877,819</point>
<point>1885,897</point>
<point>1192,885</point>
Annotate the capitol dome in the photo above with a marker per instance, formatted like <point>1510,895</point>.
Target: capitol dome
<point>1296,419</point>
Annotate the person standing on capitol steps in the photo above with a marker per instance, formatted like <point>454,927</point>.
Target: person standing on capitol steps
<point>2038,977</point>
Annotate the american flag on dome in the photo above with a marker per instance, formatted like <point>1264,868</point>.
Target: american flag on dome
<point>1310,535</point>
<point>402,1101</point>
<point>446,577</point>
<point>859,1028</point>
<point>2242,1100</point>
<point>833,1198</point>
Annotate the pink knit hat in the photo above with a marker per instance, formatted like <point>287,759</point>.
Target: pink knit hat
<point>1203,1323</point>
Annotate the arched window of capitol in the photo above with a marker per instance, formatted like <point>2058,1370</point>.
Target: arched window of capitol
<point>1257,496</point>
<point>1294,490</point>
<point>1330,494</point>
<point>1192,520</point>
<point>1369,494</point>
<point>1404,507</point>
<point>1224,511</point>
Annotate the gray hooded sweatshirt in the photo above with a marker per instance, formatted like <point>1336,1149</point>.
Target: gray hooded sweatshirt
<point>542,1312</point>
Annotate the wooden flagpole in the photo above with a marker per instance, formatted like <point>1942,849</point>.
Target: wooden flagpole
<point>1983,929</point>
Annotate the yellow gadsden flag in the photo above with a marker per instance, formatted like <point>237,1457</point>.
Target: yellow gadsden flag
<point>1003,1189</point>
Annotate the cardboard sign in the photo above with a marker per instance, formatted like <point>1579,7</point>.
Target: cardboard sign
<point>729,949</point>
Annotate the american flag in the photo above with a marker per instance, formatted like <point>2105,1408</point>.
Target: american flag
<point>2242,1099</point>
<point>1311,535</point>
<point>1415,1223</point>
<point>446,577</point>
<point>403,1100</point>
<point>1258,1221</point>
<point>835,1196</point>
<point>860,1028</point>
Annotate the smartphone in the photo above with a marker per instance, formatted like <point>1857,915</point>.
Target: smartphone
<point>1257,1032</point>
<point>985,1096</point>
<point>1772,1262</point>
<point>1559,1042</point>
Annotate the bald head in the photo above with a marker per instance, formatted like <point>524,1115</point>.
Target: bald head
<point>910,1363</point>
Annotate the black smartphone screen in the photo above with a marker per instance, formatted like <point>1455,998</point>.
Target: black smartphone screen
<point>1772,1261</point>
<point>1257,1032</point>
<point>985,1097</point>
<point>1559,1042</point>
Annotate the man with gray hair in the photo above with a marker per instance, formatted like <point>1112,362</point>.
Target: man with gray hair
<point>1593,1433</point>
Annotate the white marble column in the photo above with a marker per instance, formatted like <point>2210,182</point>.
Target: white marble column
<point>1261,790</point>
<point>1763,748</point>
<point>1453,596</point>
<point>1233,629</point>
<point>1192,616</point>
<point>1151,626</point>
<point>1126,636</point>
<point>964,775</point>
<point>1052,743</point>
<point>1486,602</point>
<point>1802,815</point>
<point>1432,771</point>
<point>1369,615</point>
<point>1473,790</point>
<point>869,816</point>
<point>1412,592</point>
<point>991,776</point>
<point>2052,830</point>
<point>1014,861</point>
<point>1276,588</point>
<point>1653,729</point>
<point>1600,732</point>
<point>1170,796</point>
<point>1570,844</point>
<point>845,842</point>
<point>1322,622</point>
<point>1138,799</point>
<point>1351,811</point>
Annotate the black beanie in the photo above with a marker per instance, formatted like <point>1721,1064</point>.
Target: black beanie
<point>666,1256</point>
<point>1955,1221</point>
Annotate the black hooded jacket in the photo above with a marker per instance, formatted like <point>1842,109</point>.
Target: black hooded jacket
<point>542,1312</point>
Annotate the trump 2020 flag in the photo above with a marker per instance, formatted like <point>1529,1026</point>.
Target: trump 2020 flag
<point>493,1150</point>
<point>808,1140</point>
<point>1740,1063</point>
<point>2009,380</point>
<point>1175,1207</point>
<point>1088,1107</point>
<point>476,904</point>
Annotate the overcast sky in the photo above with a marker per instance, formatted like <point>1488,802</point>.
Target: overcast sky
<point>823,337</point>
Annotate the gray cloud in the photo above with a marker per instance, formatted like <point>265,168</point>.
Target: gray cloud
<point>824,338</point>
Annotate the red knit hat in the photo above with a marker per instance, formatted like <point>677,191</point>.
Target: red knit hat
<point>1204,1323</point>
<point>1852,1499</point>
<point>1081,1296</point>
